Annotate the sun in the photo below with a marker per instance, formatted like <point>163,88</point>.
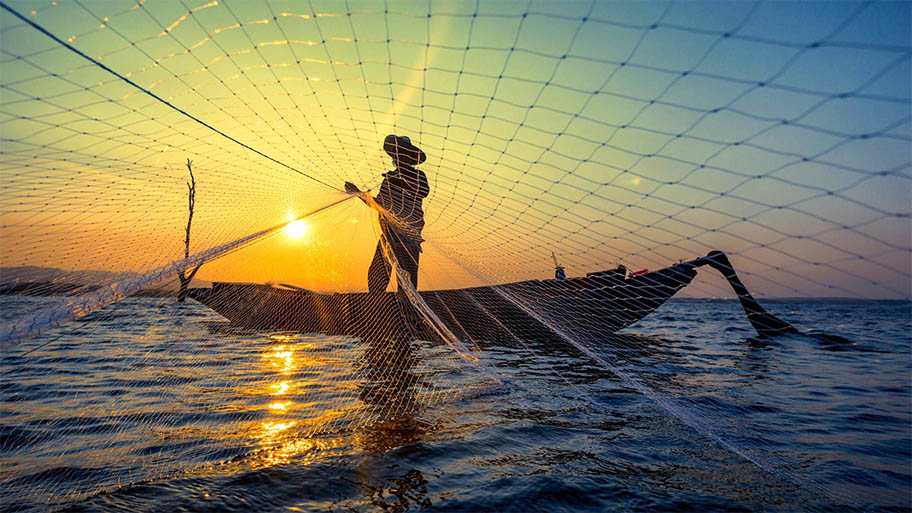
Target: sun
<point>296,229</point>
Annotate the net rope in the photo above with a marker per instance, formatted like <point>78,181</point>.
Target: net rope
<point>573,136</point>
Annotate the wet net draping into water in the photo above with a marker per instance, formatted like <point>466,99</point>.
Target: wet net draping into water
<point>616,142</point>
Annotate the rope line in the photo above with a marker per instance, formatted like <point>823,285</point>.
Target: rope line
<point>75,50</point>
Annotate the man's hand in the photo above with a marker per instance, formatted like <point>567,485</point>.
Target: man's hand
<point>351,188</point>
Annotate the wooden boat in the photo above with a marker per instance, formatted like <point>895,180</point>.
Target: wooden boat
<point>594,305</point>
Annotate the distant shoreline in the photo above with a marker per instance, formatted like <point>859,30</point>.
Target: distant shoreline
<point>46,288</point>
<point>806,299</point>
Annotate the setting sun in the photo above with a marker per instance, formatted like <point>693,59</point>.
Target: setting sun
<point>297,229</point>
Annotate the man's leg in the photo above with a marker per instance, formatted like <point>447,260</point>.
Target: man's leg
<point>407,253</point>
<point>378,274</point>
<point>411,262</point>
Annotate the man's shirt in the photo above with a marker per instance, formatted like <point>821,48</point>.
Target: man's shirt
<point>401,193</point>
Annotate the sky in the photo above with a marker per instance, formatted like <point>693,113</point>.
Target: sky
<point>605,132</point>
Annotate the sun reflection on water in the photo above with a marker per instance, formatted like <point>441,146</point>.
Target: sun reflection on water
<point>274,428</point>
<point>281,388</point>
<point>283,358</point>
<point>280,406</point>
<point>298,410</point>
<point>289,431</point>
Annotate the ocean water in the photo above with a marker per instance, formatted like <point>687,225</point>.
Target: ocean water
<point>153,406</point>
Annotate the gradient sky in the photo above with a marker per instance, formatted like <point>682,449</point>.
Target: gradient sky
<point>636,133</point>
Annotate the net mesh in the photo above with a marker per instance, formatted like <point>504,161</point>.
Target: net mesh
<point>577,136</point>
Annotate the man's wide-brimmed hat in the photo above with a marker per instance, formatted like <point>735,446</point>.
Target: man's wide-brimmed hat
<point>401,147</point>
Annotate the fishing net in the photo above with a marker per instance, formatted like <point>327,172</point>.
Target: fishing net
<point>610,143</point>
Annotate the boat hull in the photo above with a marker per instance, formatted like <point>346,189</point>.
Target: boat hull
<point>598,304</point>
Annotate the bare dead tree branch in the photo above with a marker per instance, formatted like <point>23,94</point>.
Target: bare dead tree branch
<point>191,201</point>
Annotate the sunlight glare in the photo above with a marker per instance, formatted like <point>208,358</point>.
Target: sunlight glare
<point>297,229</point>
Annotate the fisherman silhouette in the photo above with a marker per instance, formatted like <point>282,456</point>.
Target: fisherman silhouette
<point>401,194</point>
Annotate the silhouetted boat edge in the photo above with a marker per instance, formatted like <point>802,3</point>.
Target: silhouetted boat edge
<point>598,303</point>
<point>604,302</point>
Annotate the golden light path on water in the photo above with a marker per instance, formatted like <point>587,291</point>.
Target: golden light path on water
<point>289,431</point>
<point>310,389</point>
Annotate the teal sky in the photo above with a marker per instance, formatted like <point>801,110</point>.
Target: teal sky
<point>607,132</point>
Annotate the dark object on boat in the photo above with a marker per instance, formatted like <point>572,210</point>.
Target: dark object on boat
<point>597,304</point>
<point>559,273</point>
<point>620,273</point>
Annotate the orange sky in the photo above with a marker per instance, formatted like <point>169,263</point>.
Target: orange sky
<point>539,138</point>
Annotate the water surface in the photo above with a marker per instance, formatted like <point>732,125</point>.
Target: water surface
<point>150,405</point>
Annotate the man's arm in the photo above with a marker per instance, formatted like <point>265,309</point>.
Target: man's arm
<point>353,189</point>
<point>423,188</point>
